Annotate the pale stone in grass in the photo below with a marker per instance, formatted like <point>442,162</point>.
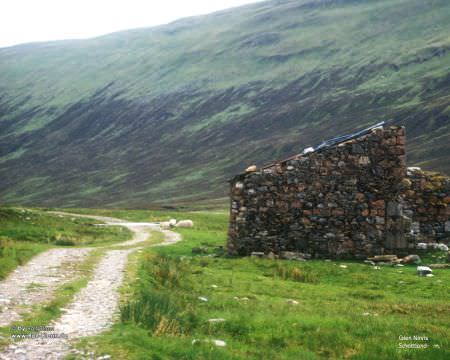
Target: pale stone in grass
<point>218,320</point>
<point>202,298</point>
<point>219,343</point>
<point>258,254</point>
<point>292,302</point>
<point>423,270</point>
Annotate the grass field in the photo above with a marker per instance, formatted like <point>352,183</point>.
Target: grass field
<point>271,309</point>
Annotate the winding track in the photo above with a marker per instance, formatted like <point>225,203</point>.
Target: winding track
<point>93,308</point>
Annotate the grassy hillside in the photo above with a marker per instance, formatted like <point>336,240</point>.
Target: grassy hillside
<point>167,114</point>
<point>271,309</point>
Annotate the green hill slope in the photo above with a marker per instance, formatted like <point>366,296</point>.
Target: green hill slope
<point>167,114</point>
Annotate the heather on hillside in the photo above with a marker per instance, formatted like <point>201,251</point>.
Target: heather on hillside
<point>168,114</point>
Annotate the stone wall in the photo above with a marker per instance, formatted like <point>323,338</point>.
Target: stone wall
<point>344,201</point>
<point>427,203</point>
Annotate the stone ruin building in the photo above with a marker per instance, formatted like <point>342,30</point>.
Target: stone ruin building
<point>351,197</point>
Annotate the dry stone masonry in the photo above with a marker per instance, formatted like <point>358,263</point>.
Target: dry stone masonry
<point>427,202</point>
<point>351,200</point>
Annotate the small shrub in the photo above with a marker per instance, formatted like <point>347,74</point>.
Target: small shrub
<point>13,253</point>
<point>149,308</point>
<point>366,295</point>
<point>65,242</point>
<point>165,271</point>
<point>238,328</point>
<point>167,327</point>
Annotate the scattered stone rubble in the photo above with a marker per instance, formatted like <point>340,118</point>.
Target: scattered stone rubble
<point>352,200</point>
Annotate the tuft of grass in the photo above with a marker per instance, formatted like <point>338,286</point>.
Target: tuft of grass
<point>14,253</point>
<point>296,273</point>
<point>156,304</point>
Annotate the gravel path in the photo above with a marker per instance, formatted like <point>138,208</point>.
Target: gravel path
<point>35,282</point>
<point>94,307</point>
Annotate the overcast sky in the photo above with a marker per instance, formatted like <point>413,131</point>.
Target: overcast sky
<point>41,20</point>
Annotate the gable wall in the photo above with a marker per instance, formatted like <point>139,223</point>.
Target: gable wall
<point>344,201</point>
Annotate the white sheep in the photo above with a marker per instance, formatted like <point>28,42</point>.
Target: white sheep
<point>185,224</point>
<point>164,224</point>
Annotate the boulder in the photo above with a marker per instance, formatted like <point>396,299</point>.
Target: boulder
<point>423,270</point>
<point>442,247</point>
<point>439,266</point>
<point>411,259</point>
<point>257,254</point>
<point>172,222</point>
<point>369,262</point>
<point>185,224</point>
<point>383,258</point>
<point>422,246</point>
<point>294,255</point>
